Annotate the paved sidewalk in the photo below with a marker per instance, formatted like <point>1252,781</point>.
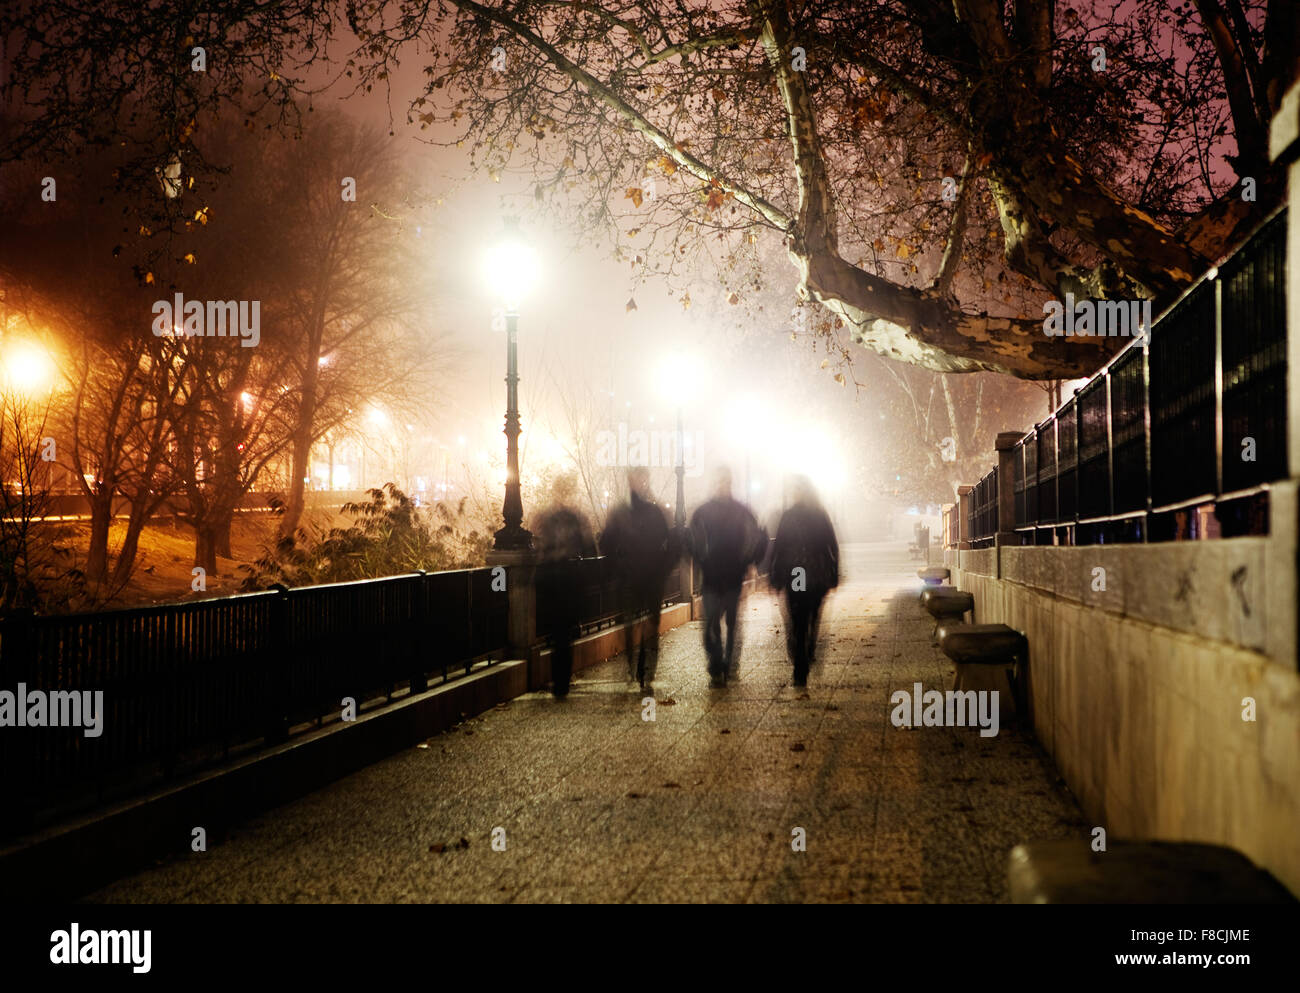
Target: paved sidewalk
<point>598,804</point>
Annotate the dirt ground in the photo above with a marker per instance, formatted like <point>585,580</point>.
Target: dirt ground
<point>166,556</point>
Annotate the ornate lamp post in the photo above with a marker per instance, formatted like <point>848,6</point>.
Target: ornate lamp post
<point>677,381</point>
<point>511,269</point>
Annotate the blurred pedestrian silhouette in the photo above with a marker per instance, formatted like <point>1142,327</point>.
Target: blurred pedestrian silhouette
<point>563,538</point>
<point>641,550</point>
<point>726,540</point>
<point>805,566</point>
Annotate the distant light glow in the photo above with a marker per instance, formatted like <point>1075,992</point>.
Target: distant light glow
<point>678,377</point>
<point>810,452</point>
<point>27,368</point>
<point>511,269</point>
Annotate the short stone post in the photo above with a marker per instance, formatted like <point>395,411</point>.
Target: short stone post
<point>965,496</point>
<point>521,588</point>
<point>1007,454</point>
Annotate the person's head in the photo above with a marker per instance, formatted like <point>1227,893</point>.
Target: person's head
<point>564,488</point>
<point>722,482</point>
<point>801,491</point>
<point>638,481</point>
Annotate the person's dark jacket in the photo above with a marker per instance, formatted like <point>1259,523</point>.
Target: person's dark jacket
<point>725,539</point>
<point>640,545</point>
<point>805,539</point>
<point>562,533</point>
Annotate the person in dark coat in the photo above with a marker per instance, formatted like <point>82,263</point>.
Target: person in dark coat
<point>805,567</point>
<point>725,540</point>
<point>563,538</point>
<point>642,552</point>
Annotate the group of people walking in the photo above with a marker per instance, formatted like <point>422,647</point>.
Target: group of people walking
<point>723,538</point>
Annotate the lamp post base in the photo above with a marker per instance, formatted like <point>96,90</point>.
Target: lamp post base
<point>512,538</point>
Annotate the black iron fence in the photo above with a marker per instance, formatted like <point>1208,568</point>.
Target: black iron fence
<point>595,586</point>
<point>183,685</point>
<point>1195,415</point>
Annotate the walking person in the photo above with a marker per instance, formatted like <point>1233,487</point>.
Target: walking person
<point>641,549</point>
<point>726,540</point>
<point>563,539</point>
<point>805,567</point>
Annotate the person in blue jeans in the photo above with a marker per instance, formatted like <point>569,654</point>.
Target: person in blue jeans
<point>805,568</point>
<point>641,549</point>
<point>725,539</point>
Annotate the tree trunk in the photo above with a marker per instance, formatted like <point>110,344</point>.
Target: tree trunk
<point>126,556</point>
<point>101,519</point>
<point>221,529</point>
<point>205,548</point>
<point>296,499</point>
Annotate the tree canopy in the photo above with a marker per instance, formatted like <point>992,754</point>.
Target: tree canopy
<point>933,171</point>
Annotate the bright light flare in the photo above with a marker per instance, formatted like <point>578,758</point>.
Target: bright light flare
<point>27,368</point>
<point>678,378</point>
<point>809,451</point>
<point>511,269</point>
<point>748,425</point>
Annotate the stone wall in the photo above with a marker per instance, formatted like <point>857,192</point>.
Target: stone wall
<point>1137,689</point>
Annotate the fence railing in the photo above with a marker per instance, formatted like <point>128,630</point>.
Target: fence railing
<point>186,684</point>
<point>1197,414</point>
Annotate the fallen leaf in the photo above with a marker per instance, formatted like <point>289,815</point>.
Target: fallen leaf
<point>797,747</point>
<point>439,848</point>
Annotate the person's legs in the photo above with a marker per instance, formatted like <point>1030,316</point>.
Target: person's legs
<point>799,614</point>
<point>712,603</point>
<point>788,615</point>
<point>561,636</point>
<point>564,625</point>
<point>731,605</point>
<point>818,598</point>
<point>649,640</point>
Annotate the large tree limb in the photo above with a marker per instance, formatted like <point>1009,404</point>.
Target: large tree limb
<point>1252,141</point>
<point>634,118</point>
<point>902,322</point>
<point>1029,251</point>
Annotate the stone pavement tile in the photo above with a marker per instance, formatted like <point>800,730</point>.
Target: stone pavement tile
<point>884,895</point>
<point>659,888</point>
<point>620,867</point>
<point>801,880</point>
<point>571,894</point>
<point>889,814</point>
<point>742,855</point>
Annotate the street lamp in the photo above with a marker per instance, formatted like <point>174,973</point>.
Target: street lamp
<point>677,376</point>
<point>26,369</point>
<point>511,270</point>
<point>747,420</point>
